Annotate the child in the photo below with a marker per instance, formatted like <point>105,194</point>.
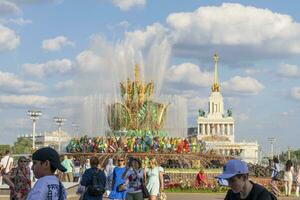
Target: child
<point>45,162</point>
<point>235,175</point>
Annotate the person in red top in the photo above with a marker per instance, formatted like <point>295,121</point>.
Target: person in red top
<point>201,179</point>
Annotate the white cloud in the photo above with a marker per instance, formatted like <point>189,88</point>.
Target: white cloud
<point>234,28</point>
<point>24,100</point>
<point>57,43</point>
<point>37,101</point>
<point>8,39</point>
<point>10,83</point>
<point>64,85</point>
<point>243,85</point>
<point>287,70</point>
<point>189,74</point>
<point>21,21</point>
<point>88,61</point>
<point>49,68</point>
<point>127,4</point>
<point>9,8</point>
<point>295,92</point>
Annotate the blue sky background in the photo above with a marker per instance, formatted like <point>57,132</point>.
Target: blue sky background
<point>53,54</point>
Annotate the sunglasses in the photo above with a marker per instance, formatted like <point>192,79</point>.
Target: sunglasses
<point>120,160</point>
<point>23,161</point>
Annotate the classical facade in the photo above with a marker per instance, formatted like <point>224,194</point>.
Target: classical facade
<point>216,127</point>
<point>49,139</point>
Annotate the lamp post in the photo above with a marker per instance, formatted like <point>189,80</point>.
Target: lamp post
<point>272,142</point>
<point>59,121</point>
<point>34,116</point>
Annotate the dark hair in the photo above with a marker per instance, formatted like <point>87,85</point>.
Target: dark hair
<point>275,160</point>
<point>52,168</point>
<point>138,161</point>
<point>94,161</point>
<point>288,165</point>
<point>7,151</point>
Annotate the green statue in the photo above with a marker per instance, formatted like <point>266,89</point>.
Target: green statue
<point>229,113</point>
<point>201,113</point>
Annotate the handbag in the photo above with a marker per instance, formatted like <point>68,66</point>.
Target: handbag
<point>121,187</point>
<point>162,196</point>
<point>145,191</point>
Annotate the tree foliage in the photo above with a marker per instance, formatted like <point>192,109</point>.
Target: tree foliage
<point>22,145</point>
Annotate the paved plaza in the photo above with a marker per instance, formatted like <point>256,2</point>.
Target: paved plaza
<point>204,196</point>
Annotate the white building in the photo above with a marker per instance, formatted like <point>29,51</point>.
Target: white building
<point>50,139</point>
<point>217,127</point>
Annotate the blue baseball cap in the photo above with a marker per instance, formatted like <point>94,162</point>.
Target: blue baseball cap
<point>232,168</point>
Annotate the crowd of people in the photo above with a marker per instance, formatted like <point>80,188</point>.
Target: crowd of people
<point>145,143</point>
<point>119,178</point>
<point>124,178</point>
<point>290,176</point>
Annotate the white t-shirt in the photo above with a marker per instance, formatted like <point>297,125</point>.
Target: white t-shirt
<point>134,180</point>
<point>46,188</point>
<point>7,163</point>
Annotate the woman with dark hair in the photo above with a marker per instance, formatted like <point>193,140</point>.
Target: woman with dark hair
<point>134,175</point>
<point>19,180</point>
<point>288,177</point>
<point>275,176</point>
<point>117,193</point>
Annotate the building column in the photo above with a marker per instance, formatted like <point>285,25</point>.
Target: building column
<point>228,130</point>
<point>222,129</point>
<point>203,129</point>
<point>218,129</point>
<point>198,133</point>
<point>208,129</point>
<point>232,129</point>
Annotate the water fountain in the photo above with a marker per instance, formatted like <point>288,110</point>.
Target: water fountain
<point>137,109</point>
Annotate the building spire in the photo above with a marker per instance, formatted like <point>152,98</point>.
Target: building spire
<point>216,87</point>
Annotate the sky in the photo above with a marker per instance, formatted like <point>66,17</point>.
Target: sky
<point>54,53</point>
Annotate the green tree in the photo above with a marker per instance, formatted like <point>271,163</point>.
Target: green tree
<point>3,148</point>
<point>22,145</point>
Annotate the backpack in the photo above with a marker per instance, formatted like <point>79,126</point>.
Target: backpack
<point>98,187</point>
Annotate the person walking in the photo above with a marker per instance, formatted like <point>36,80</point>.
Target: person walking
<point>109,169</point>
<point>134,175</point>
<point>68,164</point>
<point>275,176</point>
<point>117,192</point>
<point>288,177</point>
<point>154,179</point>
<point>236,176</point>
<point>76,169</point>
<point>18,180</point>
<point>45,162</point>
<point>94,181</point>
<point>6,164</point>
